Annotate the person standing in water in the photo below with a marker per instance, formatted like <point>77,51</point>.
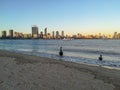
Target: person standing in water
<point>100,57</point>
<point>61,52</point>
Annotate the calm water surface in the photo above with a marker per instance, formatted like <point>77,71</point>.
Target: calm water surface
<point>85,51</point>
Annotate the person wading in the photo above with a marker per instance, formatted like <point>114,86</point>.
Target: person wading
<point>61,52</point>
<point>100,57</point>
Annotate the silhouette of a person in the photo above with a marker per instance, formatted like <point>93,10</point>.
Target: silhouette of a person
<point>61,52</point>
<point>100,57</point>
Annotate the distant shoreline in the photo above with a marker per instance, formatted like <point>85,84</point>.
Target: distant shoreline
<point>57,39</point>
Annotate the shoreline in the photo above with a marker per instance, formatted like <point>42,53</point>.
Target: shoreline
<point>105,64</point>
<point>21,71</point>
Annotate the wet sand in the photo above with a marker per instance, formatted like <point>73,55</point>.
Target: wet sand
<point>25,72</point>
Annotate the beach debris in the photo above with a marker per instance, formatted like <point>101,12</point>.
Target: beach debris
<point>61,52</point>
<point>100,57</point>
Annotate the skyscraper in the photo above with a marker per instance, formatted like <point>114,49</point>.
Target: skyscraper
<point>45,31</point>
<point>3,34</point>
<point>62,34</point>
<point>11,33</point>
<point>53,34</point>
<point>41,35</point>
<point>115,35</point>
<point>118,35</point>
<point>34,32</point>
<point>57,34</point>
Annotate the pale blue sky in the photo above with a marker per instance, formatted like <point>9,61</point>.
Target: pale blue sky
<point>72,16</point>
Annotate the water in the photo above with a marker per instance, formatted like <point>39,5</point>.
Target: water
<point>83,51</point>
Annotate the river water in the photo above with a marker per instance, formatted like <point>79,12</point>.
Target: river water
<point>80,51</point>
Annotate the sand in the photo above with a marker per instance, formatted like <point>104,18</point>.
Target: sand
<point>25,72</point>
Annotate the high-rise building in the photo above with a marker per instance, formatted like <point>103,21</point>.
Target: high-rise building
<point>53,34</point>
<point>48,36</point>
<point>118,35</point>
<point>45,31</point>
<point>62,34</point>
<point>11,33</point>
<point>3,34</point>
<point>57,34</point>
<point>41,35</point>
<point>115,35</point>
<point>34,32</point>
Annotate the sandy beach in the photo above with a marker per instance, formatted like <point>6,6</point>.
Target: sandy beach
<point>25,72</point>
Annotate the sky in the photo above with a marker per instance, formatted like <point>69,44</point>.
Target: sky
<point>71,16</point>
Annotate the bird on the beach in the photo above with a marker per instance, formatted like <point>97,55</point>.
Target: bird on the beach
<point>100,57</point>
<point>61,52</point>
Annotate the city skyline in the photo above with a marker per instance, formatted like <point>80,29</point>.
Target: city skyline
<point>45,34</point>
<point>78,16</point>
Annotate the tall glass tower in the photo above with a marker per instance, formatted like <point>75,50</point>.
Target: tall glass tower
<point>34,31</point>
